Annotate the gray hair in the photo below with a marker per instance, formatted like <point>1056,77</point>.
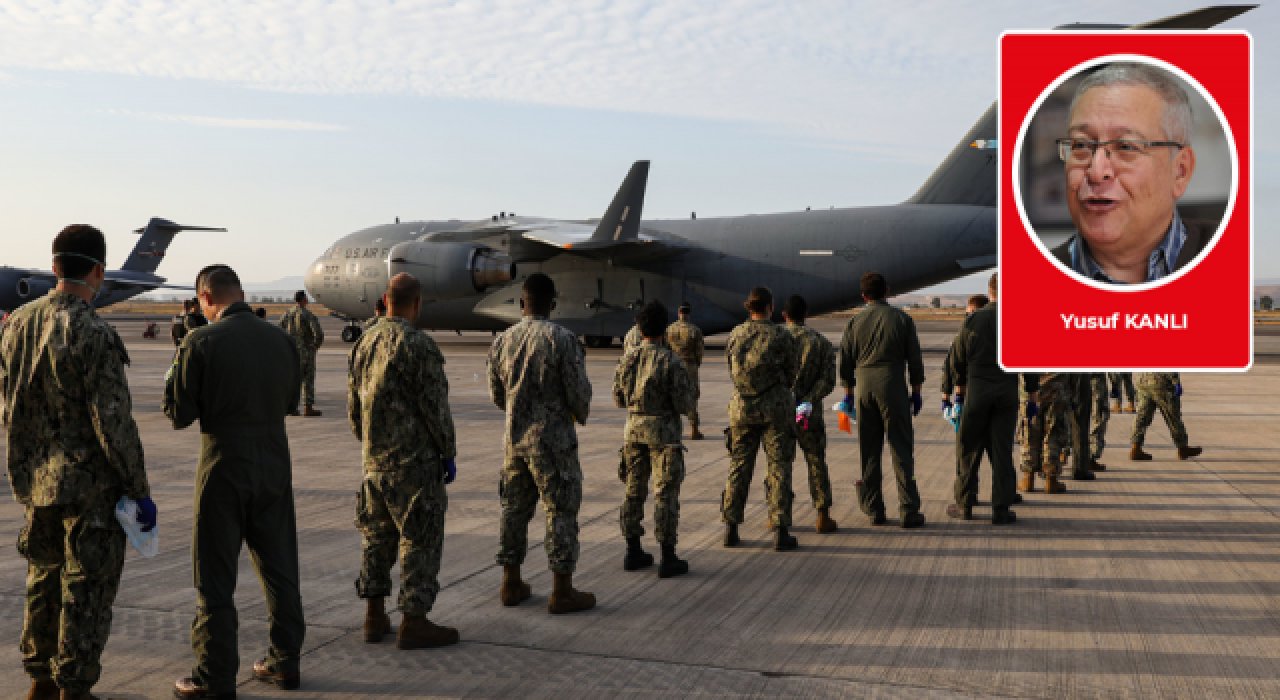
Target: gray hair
<point>1177,121</point>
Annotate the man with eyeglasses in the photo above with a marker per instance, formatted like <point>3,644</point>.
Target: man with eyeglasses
<point>1128,159</point>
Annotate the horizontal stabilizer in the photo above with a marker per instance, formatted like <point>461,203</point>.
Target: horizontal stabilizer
<point>621,221</point>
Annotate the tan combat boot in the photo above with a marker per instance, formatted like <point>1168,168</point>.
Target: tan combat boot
<point>310,411</point>
<point>694,433</point>
<point>1051,483</point>
<point>417,632</point>
<point>1137,455</point>
<point>825,524</point>
<point>46,689</point>
<point>1027,483</point>
<point>1117,409</point>
<point>514,591</point>
<point>565,599</point>
<point>376,622</point>
<point>1188,452</point>
<point>1130,409</point>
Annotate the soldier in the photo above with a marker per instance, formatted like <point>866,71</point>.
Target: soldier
<point>632,339</point>
<point>686,340</point>
<point>1045,431</point>
<point>763,360</point>
<point>652,384</point>
<point>1162,390</point>
<point>1101,416</point>
<point>305,330</point>
<point>815,378</point>
<point>397,395</point>
<point>987,424</point>
<point>73,451</point>
<point>178,327</point>
<point>1081,412</point>
<point>880,346</point>
<point>239,376</point>
<point>195,318</point>
<point>538,375</point>
<point>977,301</point>
<point>1122,380</point>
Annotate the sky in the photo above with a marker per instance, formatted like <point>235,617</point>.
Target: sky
<point>293,124</point>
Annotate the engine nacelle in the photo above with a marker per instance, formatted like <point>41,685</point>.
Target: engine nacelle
<point>451,270</point>
<point>29,288</point>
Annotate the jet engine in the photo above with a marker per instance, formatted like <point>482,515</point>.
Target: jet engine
<point>451,270</point>
<point>29,288</point>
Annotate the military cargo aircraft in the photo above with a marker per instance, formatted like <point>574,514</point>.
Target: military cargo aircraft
<point>605,269</point>
<point>19,286</point>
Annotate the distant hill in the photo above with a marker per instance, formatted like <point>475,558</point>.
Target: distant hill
<point>283,284</point>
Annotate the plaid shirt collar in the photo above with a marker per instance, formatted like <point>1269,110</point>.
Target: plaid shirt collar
<point>1159,265</point>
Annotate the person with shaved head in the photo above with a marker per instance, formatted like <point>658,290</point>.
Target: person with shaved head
<point>398,405</point>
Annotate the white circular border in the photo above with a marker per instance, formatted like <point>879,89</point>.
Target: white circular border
<point>1017,169</point>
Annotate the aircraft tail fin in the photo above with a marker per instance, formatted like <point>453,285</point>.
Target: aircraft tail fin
<point>968,174</point>
<point>150,250</point>
<point>621,221</point>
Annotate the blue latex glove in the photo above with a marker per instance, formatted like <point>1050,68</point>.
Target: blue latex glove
<point>147,513</point>
<point>1115,392</point>
<point>1032,410</point>
<point>946,403</point>
<point>450,471</point>
<point>917,403</point>
<point>1177,391</point>
<point>959,399</point>
<point>846,406</point>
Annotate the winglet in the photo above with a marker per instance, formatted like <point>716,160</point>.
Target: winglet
<point>621,221</point>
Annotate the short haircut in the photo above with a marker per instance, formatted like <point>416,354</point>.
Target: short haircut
<point>993,285</point>
<point>873,286</point>
<point>759,299</point>
<point>77,249</point>
<point>686,307</point>
<point>220,281</point>
<point>652,319</point>
<point>380,307</point>
<point>299,296</point>
<point>1177,120</point>
<point>796,308</point>
<point>539,291</point>
<point>978,301</point>
<point>403,290</point>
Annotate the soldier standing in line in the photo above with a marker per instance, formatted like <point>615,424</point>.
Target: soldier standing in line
<point>1160,390</point>
<point>304,328</point>
<point>1122,380</point>
<point>991,400</point>
<point>815,379</point>
<point>686,340</point>
<point>1101,416</point>
<point>73,451</point>
<point>239,377</point>
<point>538,375</point>
<point>178,327</point>
<point>397,395</point>
<point>879,347</point>
<point>763,360</point>
<point>652,384</point>
<point>1045,431</point>
<point>1081,408</point>
<point>632,339</point>
<point>195,318</point>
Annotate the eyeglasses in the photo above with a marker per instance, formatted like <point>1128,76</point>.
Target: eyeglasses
<point>1080,152</point>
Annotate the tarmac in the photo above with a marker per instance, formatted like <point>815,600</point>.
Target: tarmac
<point>1160,579</point>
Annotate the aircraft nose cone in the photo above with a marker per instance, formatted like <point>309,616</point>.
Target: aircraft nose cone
<point>311,280</point>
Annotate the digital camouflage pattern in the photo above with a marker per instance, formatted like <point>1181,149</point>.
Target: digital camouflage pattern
<point>397,394</point>
<point>556,477</point>
<point>1046,436</point>
<point>652,384</point>
<point>686,340</point>
<point>815,379</point>
<point>1101,414</point>
<point>304,328</point>
<point>538,375</point>
<point>1155,391</point>
<point>402,511</point>
<point>632,339</point>
<point>763,360</point>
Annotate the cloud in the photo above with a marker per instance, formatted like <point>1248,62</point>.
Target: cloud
<point>230,123</point>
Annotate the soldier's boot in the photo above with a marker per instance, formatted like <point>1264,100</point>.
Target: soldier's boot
<point>46,689</point>
<point>1027,482</point>
<point>284,680</point>
<point>825,524</point>
<point>694,433</point>
<point>773,527</point>
<point>64,694</point>
<point>784,541</point>
<point>566,599</point>
<point>1001,515</point>
<point>731,535</point>
<point>1083,475</point>
<point>671,564</point>
<point>960,512</point>
<point>1051,483</point>
<point>295,412</point>
<point>878,518</point>
<point>1188,452</point>
<point>636,558</point>
<point>513,591</point>
<point>913,520</point>
<point>417,632</point>
<point>376,621</point>
<point>1137,455</point>
<point>1097,466</point>
<point>311,411</point>
<point>1130,409</point>
<point>1017,498</point>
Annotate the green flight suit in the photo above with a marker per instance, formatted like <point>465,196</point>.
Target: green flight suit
<point>990,414</point>
<point>1081,417</point>
<point>239,376</point>
<point>879,348</point>
<point>1101,414</point>
<point>1125,380</point>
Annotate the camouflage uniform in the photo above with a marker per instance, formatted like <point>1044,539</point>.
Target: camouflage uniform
<point>632,340</point>
<point>763,360</point>
<point>397,393</point>
<point>304,328</point>
<point>1125,380</point>
<point>1155,391</point>
<point>686,340</point>
<point>652,384</point>
<point>1045,436</point>
<point>73,451</point>
<point>538,375</point>
<point>1101,414</point>
<point>814,380</point>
